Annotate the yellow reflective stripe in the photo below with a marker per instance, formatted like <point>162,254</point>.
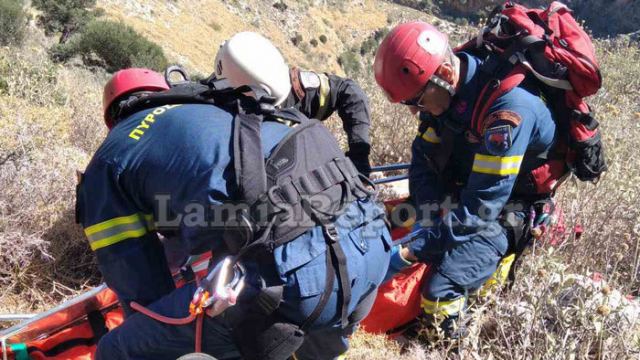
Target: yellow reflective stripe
<point>112,223</point>
<point>446,308</point>
<point>323,101</point>
<point>430,136</point>
<point>121,228</point>
<point>148,219</point>
<point>497,165</point>
<point>499,277</point>
<point>117,238</point>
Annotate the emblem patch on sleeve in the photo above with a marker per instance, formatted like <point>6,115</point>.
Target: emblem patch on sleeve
<point>503,116</point>
<point>498,139</point>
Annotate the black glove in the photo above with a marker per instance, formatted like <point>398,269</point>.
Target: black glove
<point>359,155</point>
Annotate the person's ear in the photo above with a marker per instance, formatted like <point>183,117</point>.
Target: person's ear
<point>446,73</point>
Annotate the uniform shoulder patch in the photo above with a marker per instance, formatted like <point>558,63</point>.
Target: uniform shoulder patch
<point>498,139</point>
<point>504,116</point>
<point>309,80</point>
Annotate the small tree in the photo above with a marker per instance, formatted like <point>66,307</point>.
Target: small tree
<point>115,45</point>
<point>12,22</point>
<point>65,16</point>
<point>350,61</point>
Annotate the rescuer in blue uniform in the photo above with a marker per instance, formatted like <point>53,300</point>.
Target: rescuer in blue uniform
<point>464,235</point>
<point>154,173</point>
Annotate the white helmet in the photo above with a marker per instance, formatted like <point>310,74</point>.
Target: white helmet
<point>248,58</point>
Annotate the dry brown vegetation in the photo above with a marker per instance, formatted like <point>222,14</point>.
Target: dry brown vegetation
<point>50,124</point>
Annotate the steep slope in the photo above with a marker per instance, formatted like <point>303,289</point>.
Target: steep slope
<point>191,31</point>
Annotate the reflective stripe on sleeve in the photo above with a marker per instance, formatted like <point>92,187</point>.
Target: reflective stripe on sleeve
<point>117,229</point>
<point>323,101</point>
<point>447,308</point>
<point>430,136</point>
<point>497,165</point>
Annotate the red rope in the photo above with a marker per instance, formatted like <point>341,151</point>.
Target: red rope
<point>174,321</point>
<point>199,321</point>
<point>163,319</point>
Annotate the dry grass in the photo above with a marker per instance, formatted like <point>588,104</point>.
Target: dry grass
<point>51,124</point>
<point>48,129</point>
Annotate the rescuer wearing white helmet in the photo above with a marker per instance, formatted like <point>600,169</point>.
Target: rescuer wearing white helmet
<point>248,58</point>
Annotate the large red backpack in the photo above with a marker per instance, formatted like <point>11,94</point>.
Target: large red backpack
<point>547,44</point>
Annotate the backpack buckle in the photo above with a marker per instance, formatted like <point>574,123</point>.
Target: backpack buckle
<point>330,232</point>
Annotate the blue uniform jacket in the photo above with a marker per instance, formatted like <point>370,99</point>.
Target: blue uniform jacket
<point>160,170</point>
<point>482,169</point>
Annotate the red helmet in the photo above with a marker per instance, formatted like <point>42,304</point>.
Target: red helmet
<point>408,58</point>
<point>128,81</point>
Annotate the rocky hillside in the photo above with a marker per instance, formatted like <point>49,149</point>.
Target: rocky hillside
<point>311,33</point>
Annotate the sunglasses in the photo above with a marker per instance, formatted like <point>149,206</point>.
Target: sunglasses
<point>417,100</point>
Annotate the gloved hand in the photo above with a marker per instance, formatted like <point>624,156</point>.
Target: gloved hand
<point>397,262</point>
<point>359,155</point>
<point>428,247</point>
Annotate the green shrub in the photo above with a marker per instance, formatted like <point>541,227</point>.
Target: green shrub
<point>370,45</point>
<point>114,46</point>
<point>281,6</point>
<point>304,47</point>
<point>215,26</point>
<point>350,61</point>
<point>296,39</point>
<point>313,42</point>
<point>65,16</point>
<point>12,22</point>
<point>323,38</point>
<point>4,86</point>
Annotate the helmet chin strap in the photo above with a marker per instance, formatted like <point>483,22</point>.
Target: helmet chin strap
<point>443,84</point>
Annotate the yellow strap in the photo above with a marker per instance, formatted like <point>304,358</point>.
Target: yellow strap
<point>446,308</point>
<point>430,136</point>
<point>323,101</point>
<point>497,165</point>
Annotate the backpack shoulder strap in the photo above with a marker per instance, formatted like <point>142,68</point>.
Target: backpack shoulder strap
<point>490,93</point>
<point>215,92</point>
<point>293,116</point>
<point>248,157</point>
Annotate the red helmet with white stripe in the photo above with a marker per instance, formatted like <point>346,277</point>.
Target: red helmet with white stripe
<point>126,82</point>
<point>408,58</point>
